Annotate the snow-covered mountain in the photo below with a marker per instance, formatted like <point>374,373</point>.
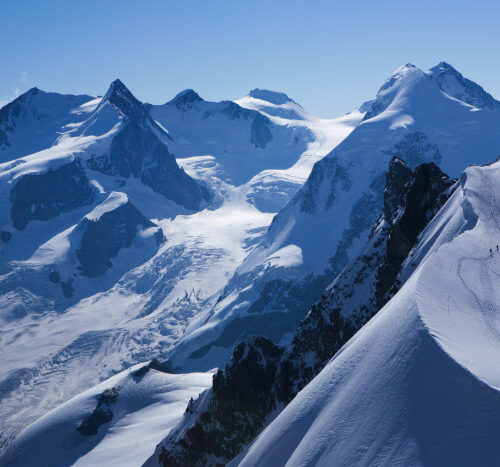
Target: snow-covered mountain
<point>419,384</point>
<point>116,422</point>
<point>110,246</point>
<point>132,231</point>
<point>36,119</point>
<point>262,377</point>
<point>436,116</point>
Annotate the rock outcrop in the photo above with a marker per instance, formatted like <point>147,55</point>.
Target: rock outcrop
<point>43,196</point>
<point>262,377</point>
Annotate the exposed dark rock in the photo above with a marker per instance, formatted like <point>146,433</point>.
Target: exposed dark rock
<point>102,413</point>
<point>105,236</point>
<point>46,195</point>
<point>124,101</point>
<point>469,92</point>
<point>54,276</point>
<point>256,384</point>
<point>136,151</point>
<point>5,236</point>
<point>67,287</point>
<point>10,112</point>
<point>396,178</point>
<point>238,402</point>
<point>426,193</point>
<point>417,149</point>
<point>260,134</point>
<point>152,365</point>
<point>36,106</point>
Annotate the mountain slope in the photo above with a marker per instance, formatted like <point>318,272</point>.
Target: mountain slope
<point>427,393</point>
<point>116,422</point>
<point>261,377</point>
<point>36,119</point>
<point>327,222</point>
<point>90,193</point>
<point>111,185</point>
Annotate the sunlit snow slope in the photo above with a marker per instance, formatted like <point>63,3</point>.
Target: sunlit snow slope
<point>105,175</point>
<point>420,116</point>
<point>117,422</point>
<point>419,384</point>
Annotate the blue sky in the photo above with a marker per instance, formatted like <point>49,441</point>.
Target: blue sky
<point>327,55</point>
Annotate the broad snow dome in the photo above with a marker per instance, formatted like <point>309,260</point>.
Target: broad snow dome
<point>273,97</point>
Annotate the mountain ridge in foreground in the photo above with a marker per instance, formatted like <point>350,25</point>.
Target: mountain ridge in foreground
<point>429,387</point>
<point>343,284</point>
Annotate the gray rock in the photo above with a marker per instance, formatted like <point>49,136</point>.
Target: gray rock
<point>46,195</point>
<point>104,237</point>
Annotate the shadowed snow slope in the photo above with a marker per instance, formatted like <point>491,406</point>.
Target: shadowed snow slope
<point>117,422</point>
<point>329,218</point>
<point>419,384</point>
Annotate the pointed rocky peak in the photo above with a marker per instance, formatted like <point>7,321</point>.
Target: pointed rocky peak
<point>457,86</point>
<point>273,97</point>
<point>443,66</point>
<point>185,99</point>
<point>32,92</point>
<point>15,105</point>
<point>396,178</point>
<point>123,100</point>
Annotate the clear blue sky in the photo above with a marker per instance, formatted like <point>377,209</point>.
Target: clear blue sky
<point>327,55</point>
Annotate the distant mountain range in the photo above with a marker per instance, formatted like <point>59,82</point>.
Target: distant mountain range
<point>340,273</point>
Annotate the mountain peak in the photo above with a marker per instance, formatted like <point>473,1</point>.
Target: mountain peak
<point>33,91</point>
<point>443,66</point>
<point>185,98</point>
<point>274,97</point>
<point>123,100</point>
<point>405,77</point>
<point>457,86</point>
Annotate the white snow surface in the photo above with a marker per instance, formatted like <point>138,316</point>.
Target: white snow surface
<point>53,347</point>
<point>419,384</point>
<point>112,202</point>
<point>146,408</point>
<point>330,217</point>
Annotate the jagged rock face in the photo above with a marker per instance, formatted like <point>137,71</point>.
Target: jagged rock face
<point>427,192</point>
<point>411,199</point>
<point>371,280</point>
<point>137,152</point>
<point>237,403</point>
<point>454,84</point>
<point>396,178</point>
<point>45,196</point>
<point>123,100</point>
<point>104,237</point>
